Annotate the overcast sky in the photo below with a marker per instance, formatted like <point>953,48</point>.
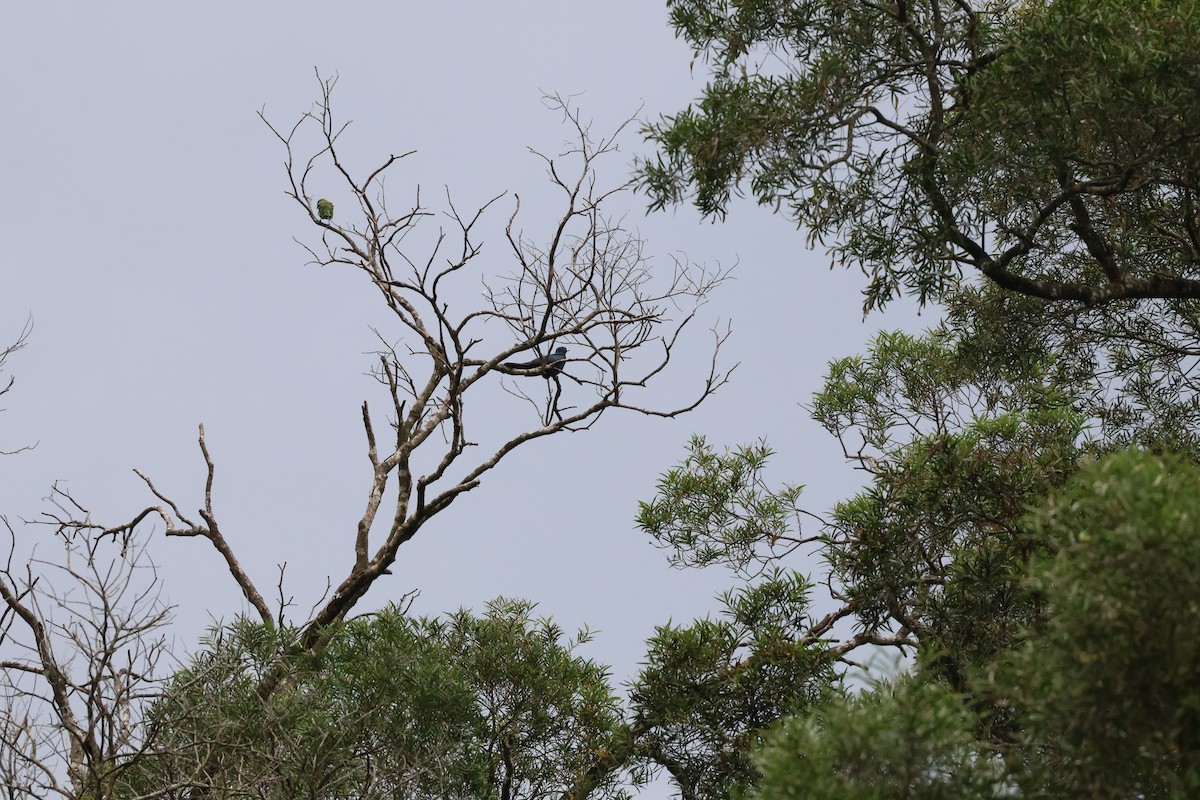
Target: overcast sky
<point>147,234</point>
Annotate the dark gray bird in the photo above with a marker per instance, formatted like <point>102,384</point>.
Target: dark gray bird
<point>547,366</point>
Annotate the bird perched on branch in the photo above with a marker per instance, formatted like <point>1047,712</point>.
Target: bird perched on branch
<point>547,366</point>
<point>324,209</point>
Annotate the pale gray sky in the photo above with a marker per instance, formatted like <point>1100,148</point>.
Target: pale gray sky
<point>146,231</point>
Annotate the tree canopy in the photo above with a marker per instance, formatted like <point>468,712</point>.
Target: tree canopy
<point>1029,168</point>
<point>1098,696</point>
<point>496,705</point>
<point>1049,146</point>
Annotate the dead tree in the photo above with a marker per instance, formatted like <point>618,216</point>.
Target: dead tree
<point>583,282</point>
<point>83,650</point>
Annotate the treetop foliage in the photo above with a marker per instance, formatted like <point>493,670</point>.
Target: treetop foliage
<point>496,705</point>
<point>1096,697</point>
<point>1109,675</point>
<point>1051,147</point>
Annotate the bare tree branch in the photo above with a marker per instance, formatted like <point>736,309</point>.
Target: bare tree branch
<point>586,284</point>
<point>86,636</point>
<point>5,387</point>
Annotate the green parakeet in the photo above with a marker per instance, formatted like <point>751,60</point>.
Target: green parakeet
<point>324,209</point>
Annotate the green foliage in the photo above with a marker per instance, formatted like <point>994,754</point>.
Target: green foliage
<point>1101,692</point>
<point>827,133</point>
<point>1051,146</point>
<point>1128,91</point>
<point>938,532</point>
<point>907,739</point>
<point>1045,571</point>
<point>479,707</point>
<point>544,713</point>
<point>1110,681</point>
<point>907,387</point>
<point>490,706</point>
<point>1130,376</point>
<point>718,508</point>
<point>958,447</point>
<point>710,689</point>
<point>210,713</point>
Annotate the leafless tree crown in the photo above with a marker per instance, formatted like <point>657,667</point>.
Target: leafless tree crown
<point>85,631</point>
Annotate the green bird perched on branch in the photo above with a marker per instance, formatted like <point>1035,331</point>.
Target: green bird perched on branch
<point>324,209</point>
